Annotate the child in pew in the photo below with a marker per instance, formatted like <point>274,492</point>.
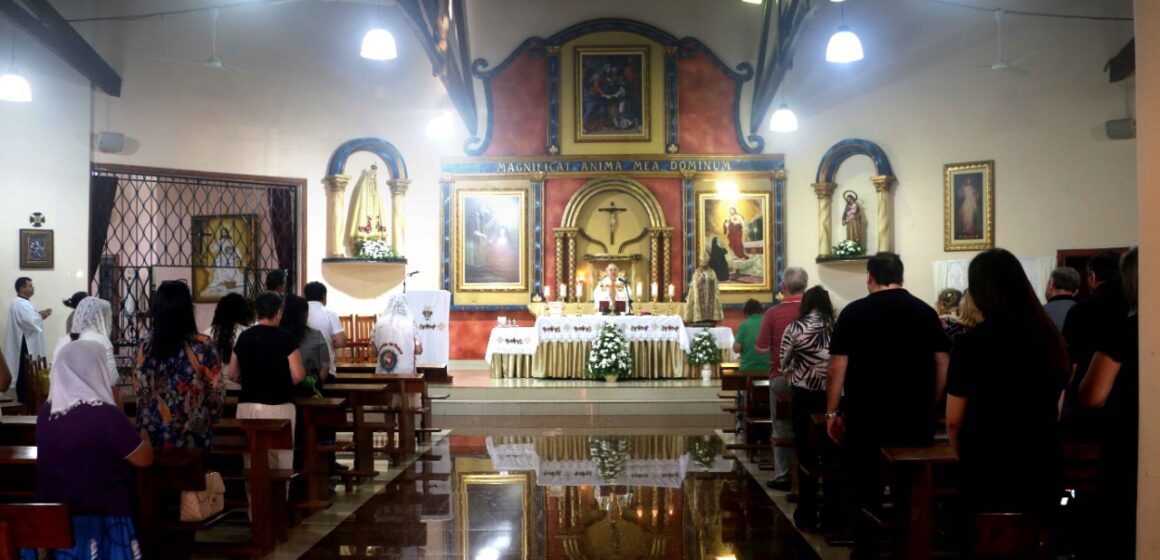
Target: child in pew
<point>81,425</point>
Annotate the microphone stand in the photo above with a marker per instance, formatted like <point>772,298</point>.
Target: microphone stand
<point>405,277</point>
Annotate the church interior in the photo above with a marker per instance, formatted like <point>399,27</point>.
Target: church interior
<point>581,203</point>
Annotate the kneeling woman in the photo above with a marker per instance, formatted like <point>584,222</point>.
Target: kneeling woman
<point>81,425</point>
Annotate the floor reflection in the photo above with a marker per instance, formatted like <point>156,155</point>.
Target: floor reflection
<point>569,497</point>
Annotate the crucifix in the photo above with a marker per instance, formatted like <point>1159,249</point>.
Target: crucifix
<point>612,211</point>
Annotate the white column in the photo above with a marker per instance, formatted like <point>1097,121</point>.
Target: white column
<point>824,191</point>
<point>882,184</point>
<point>335,208</point>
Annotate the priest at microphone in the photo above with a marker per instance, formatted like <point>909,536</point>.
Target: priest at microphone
<point>612,294</point>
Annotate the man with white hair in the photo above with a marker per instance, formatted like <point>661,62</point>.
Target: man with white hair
<point>793,284</point>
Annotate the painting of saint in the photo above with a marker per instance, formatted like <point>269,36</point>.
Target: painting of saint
<point>491,238</point>
<point>969,202</point>
<point>612,96</point>
<point>733,236</point>
<point>223,251</point>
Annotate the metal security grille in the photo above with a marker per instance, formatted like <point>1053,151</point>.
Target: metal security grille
<point>219,233</point>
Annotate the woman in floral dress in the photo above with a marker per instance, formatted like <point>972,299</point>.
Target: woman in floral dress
<point>179,385</point>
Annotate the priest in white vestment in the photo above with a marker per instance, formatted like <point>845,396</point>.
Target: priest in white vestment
<point>612,292</point>
<point>25,335</point>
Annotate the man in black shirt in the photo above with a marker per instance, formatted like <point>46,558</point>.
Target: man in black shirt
<point>889,355</point>
<point>1089,320</point>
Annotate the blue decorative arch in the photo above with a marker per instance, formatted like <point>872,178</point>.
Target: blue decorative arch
<point>840,152</point>
<point>377,146</point>
<point>686,47</point>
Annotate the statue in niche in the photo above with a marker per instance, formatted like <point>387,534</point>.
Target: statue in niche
<point>703,307</point>
<point>852,217</point>
<point>365,220</point>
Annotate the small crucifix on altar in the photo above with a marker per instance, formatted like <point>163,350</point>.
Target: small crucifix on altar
<point>612,211</point>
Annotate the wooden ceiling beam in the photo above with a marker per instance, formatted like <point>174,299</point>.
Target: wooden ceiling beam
<point>50,29</point>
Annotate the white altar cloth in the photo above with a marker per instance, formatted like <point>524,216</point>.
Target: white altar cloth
<point>511,340</point>
<point>586,328</point>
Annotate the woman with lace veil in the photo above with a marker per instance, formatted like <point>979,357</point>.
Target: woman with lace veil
<point>92,320</point>
<point>86,452</point>
<point>394,338</point>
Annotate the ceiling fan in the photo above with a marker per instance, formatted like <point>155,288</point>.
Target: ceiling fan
<point>214,61</point>
<point>1001,63</point>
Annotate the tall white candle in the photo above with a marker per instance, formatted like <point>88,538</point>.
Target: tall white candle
<point>563,292</point>
<point>654,291</point>
<point>672,291</point>
<point>547,292</point>
<point>579,290</point>
<point>639,289</point>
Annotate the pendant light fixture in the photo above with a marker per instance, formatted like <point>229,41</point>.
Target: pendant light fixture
<point>379,44</point>
<point>844,46</point>
<point>783,119</point>
<point>13,86</point>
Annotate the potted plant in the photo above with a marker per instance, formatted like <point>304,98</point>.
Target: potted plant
<point>704,352</point>
<point>609,357</point>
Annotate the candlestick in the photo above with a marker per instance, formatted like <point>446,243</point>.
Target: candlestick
<point>654,291</point>
<point>579,290</point>
<point>639,289</point>
<point>672,291</point>
<point>547,292</point>
<point>563,292</point>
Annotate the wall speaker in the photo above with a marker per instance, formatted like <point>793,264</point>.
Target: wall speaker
<point>110,142</point>
<point>1120,129</point>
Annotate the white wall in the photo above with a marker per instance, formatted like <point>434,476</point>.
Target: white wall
<point>1059,182</point>
<point>44,167</point>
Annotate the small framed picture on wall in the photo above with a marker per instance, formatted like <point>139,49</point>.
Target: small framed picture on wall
<point>969,206</point>
<point>36,249</point>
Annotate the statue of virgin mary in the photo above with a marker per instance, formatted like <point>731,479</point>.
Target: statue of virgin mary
<point>365,220</point>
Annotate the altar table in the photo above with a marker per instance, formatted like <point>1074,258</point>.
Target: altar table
<point>558,347</point>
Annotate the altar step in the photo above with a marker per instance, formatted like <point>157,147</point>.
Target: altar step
<point>581,398</point>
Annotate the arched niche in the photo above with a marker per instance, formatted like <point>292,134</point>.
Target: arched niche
<point>336,182</point>
<point>639,241</point>
<point>825,186</point>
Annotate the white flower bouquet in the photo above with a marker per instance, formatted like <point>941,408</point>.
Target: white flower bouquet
<point>610,456</point>
<point>377,250</point>
<point>849,248</point>
<point>609,354</point>
<point>703,450</point>
<point>703,349</point>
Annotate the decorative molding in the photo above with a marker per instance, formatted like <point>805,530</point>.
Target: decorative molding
<point>840,152</point>
<point>390,155</point>
<point>658,165</point>
<point>824,187</point>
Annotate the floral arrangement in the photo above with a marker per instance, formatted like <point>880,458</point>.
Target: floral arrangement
<point>704,451</point>
<point>609,354</point>
<point>610,455</point>
<point>376,249</point>
<point>704,349</point>
<point>849,248</point>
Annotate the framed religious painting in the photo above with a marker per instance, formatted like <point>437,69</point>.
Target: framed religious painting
<point>490,238</point>
<point>612,94</point>
<point>969,206</point>
<point>733,232</point>
<point>36,250</point>
<point>223,256</point>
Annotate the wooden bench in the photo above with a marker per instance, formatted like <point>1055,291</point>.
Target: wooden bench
<point>33,526</point>
<point>159,488</point>
<point>915,467</point>
<point>314,414</point>
<point>19,480</point>
<point>18,430</point>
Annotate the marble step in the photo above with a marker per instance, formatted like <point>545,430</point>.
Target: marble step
<point>619,407</point>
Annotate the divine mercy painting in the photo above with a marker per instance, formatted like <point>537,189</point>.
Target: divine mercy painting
<point>733,232</point>
<point>612,96</point>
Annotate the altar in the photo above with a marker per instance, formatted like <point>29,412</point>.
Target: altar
<point>558,347</point>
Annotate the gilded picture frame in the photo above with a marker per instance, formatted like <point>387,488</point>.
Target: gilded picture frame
<point>223,255</point>
<point>488,496</point>
<point>734,231</point>
<point>36,249</point>
<point>490,241</point>
<point>969,206</point>
<point>612,94</point>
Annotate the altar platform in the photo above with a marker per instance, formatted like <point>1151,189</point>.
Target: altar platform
<point>478,401</point>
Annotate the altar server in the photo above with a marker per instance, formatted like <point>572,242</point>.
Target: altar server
<point>25,336</point>
<point>612,289</point>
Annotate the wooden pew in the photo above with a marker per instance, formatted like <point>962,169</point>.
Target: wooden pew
<point>360,396</point>
<point>33,526</point>
<point>915,466</point>
<point>406,383</point>
<point>18,430</point>
<point>314,414</point>
<point>159,529</point>
<point>19,480</point>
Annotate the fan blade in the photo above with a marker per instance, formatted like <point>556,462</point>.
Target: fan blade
<point>1017,70</point>
<point>1023,58</point>
<point>234,68</point>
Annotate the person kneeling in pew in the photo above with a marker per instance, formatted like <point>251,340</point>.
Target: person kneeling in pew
<point>86,451</point>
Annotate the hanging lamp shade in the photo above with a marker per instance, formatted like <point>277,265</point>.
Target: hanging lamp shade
<point>783,119</point>
<point>379,44</point>
<point>844,47</point>
<point>13,87</point>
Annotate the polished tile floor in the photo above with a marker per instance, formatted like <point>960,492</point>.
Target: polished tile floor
<point>568,496</point>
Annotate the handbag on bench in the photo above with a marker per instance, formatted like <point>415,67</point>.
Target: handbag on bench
<point>199,505</point>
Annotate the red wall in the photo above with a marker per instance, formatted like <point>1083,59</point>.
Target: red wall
<point>470,330</point>
<point>520,104</point>
<point>705,118</point>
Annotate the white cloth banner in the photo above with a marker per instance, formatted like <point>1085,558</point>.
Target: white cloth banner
<point>648,327</point>
<point>432,312</point>
<point>953,274</point>
<point>511,340</point>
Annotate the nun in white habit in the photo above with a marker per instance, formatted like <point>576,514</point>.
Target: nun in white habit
<point>92,320</point>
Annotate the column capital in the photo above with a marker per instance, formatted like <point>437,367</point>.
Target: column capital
<point>824,190</point>
<point>778,174</point>
<point>687,174</point>
<point>882,182</point>
<point>336,183</point>
<point>399,186</point>
<point>539,176</point>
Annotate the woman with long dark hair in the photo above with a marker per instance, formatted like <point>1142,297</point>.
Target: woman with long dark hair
<point>804,360</point>
<point>233,314</point>
<point>311,343</point>
<point>179,383</point>
<point>1005,386</point>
